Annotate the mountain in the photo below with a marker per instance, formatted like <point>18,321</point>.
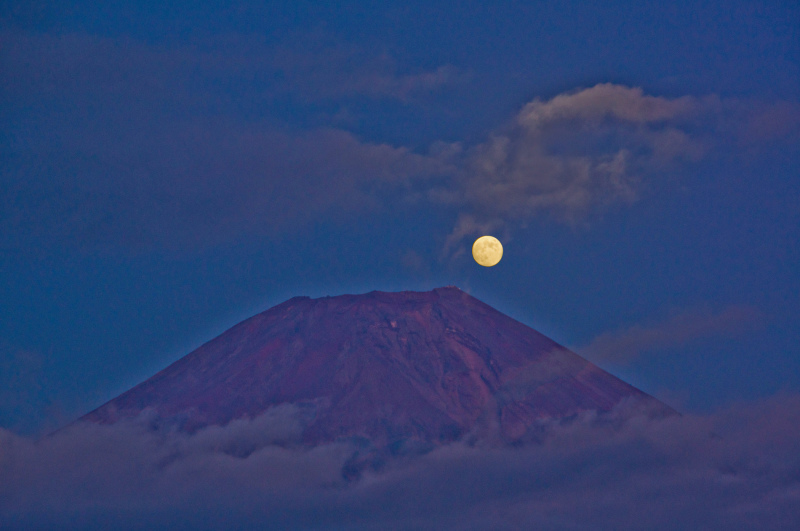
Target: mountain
<point>386,367</point>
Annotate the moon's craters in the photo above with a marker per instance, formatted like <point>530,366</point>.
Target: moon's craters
<point>487,251</point>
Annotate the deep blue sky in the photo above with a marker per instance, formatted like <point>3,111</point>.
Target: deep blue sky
<point>170,170</point>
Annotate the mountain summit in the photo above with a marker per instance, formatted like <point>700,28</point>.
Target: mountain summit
<point>428,366</point>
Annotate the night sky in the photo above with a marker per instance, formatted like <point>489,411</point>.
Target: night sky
<point>169,170</point>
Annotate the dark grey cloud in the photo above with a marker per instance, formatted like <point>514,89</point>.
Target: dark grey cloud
<point>121,142</point>
<point>679,329</point>
<point>735,469</point>
<point>325,68</point>
<point>315,66</point>
<point>136,145</point>
<point>195,184</point>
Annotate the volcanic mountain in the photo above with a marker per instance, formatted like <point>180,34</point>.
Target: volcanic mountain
<point>427,366</point>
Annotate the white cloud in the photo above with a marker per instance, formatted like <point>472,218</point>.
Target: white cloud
<point>578,151</point>
<point>605,101</point>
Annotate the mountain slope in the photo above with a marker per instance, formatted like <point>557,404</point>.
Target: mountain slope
<point>429,366</point>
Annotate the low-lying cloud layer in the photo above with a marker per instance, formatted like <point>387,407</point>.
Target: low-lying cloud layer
<point>737,469</point>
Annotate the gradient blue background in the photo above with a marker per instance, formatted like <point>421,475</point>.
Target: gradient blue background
<point>99,288</point>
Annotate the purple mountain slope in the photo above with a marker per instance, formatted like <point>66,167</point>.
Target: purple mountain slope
<point>429,366</point>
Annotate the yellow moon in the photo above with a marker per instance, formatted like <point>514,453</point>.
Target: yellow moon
<point>487,251</point>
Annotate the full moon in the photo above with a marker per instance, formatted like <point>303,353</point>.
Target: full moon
<point>487,251</point>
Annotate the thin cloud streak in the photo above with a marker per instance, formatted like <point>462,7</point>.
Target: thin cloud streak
<point>313,66</point>
<point>200,184</point>
<point>326,69</point>
<point>678,330</point>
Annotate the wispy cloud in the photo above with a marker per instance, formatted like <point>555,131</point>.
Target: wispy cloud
<point>592,149</point>
<point>197,184</point>
<point>312,67</point>
<point>680,329</point>
<point>323,68</point>
<point>578,152</point>
<point>138,147</point>
<point>142,145</point>
<point>735,469</point>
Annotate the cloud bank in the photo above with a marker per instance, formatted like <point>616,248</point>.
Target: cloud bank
<point>736,469</point>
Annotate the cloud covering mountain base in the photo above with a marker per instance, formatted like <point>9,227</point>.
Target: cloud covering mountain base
<point>734,469</point>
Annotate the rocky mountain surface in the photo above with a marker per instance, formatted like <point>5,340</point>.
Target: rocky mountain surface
<point>430,367</point>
